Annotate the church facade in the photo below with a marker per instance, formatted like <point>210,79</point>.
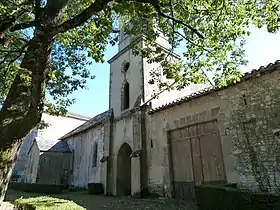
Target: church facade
<point>167,146</point>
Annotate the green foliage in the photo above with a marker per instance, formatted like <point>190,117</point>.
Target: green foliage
<point>46,203</point>
<point>24,206</point>
<point>215,197</point>
<point>212,33</point>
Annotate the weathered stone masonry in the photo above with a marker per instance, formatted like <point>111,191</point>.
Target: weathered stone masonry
<point>136,144</point>
<point>256,98</point>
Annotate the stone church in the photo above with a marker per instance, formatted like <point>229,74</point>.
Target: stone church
<point>169,144</point>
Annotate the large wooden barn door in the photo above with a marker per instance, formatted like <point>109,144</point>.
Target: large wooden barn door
<point>196,158</point>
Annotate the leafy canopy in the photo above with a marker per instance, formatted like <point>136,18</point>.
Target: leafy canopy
<point>212,33</point>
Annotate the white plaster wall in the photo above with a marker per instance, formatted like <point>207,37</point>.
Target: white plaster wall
<point>133,76</point>
<point>59,126</point>
<point>138,80</point>
<point>33,164</point>
<point>122,133</point>
<point>82,146</point>
<point>125,40</point>
<point>151,90</point>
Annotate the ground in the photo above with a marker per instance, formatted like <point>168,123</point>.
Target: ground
<point>95,202</point>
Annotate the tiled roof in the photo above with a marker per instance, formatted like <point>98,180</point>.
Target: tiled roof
<point>46,145</point>
<point>98,119</point>
<point>172,95</point>
<point>77,116</point>
<point>248,75</point>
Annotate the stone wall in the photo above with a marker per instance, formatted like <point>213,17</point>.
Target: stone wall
<point>254,101</point>
<point>198,110</point>
<point>54,168</point>
<point>253,122</point>
<point>83,146</point>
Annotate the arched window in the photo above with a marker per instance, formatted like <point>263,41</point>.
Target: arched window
<point>125,96</point>
<point>125,66</point>
<point>94,159</point>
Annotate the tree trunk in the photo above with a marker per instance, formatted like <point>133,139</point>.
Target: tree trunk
<point>7,159</point>
<point>23,107</point>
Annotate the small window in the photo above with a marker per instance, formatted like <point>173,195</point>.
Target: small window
<point>126,66</point>
<point>125,96</point>
<point>94,159</point>
<point>244,100</point>
<point>152,144</point>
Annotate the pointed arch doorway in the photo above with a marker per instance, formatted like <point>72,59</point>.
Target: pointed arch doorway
<point>124,170</point>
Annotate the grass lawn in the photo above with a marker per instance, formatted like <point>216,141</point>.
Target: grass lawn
<point>82,200</point>
<point>47,203</point>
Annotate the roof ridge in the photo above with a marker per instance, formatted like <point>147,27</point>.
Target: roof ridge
<point>77,115</point>
<point>88,124</point>
<point>247,75</point>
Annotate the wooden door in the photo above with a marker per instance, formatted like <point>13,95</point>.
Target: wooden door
<point>211,153</point>
<point>196,158</point>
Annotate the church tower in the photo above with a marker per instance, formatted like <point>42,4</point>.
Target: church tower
<point>126,76</point>
<point>130,74</point>
<point>129,89</point>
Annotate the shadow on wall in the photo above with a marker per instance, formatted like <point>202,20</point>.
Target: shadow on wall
<point>124,170</point>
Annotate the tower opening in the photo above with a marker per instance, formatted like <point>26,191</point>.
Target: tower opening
<point>124,170</point>
<point>125,99</point>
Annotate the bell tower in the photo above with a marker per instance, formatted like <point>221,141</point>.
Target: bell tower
<point>129,89</point>
<point>126,76</point>
<point>130,74</point>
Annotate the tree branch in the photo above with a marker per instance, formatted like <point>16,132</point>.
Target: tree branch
<point>7,23</point>
<point>99,5</point>
<point>37,9</point>
<point>95,7</point>
<point>190,41</point>
<point>21,26</point>
<point>20,52</point>
<point>79,19</point>
<point>173,24</point>
<point>157,7</point>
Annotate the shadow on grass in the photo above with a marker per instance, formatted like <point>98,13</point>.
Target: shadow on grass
<point>98,202</point>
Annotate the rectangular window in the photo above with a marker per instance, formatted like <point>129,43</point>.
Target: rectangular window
<point>94,159</point>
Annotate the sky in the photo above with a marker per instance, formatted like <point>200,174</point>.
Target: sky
<point>261,49</point>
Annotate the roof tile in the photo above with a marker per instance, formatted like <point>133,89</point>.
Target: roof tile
<point>90,123</point>
<point>254,73</point>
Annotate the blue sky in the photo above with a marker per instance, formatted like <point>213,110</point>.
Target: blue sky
<point>261,48</point>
